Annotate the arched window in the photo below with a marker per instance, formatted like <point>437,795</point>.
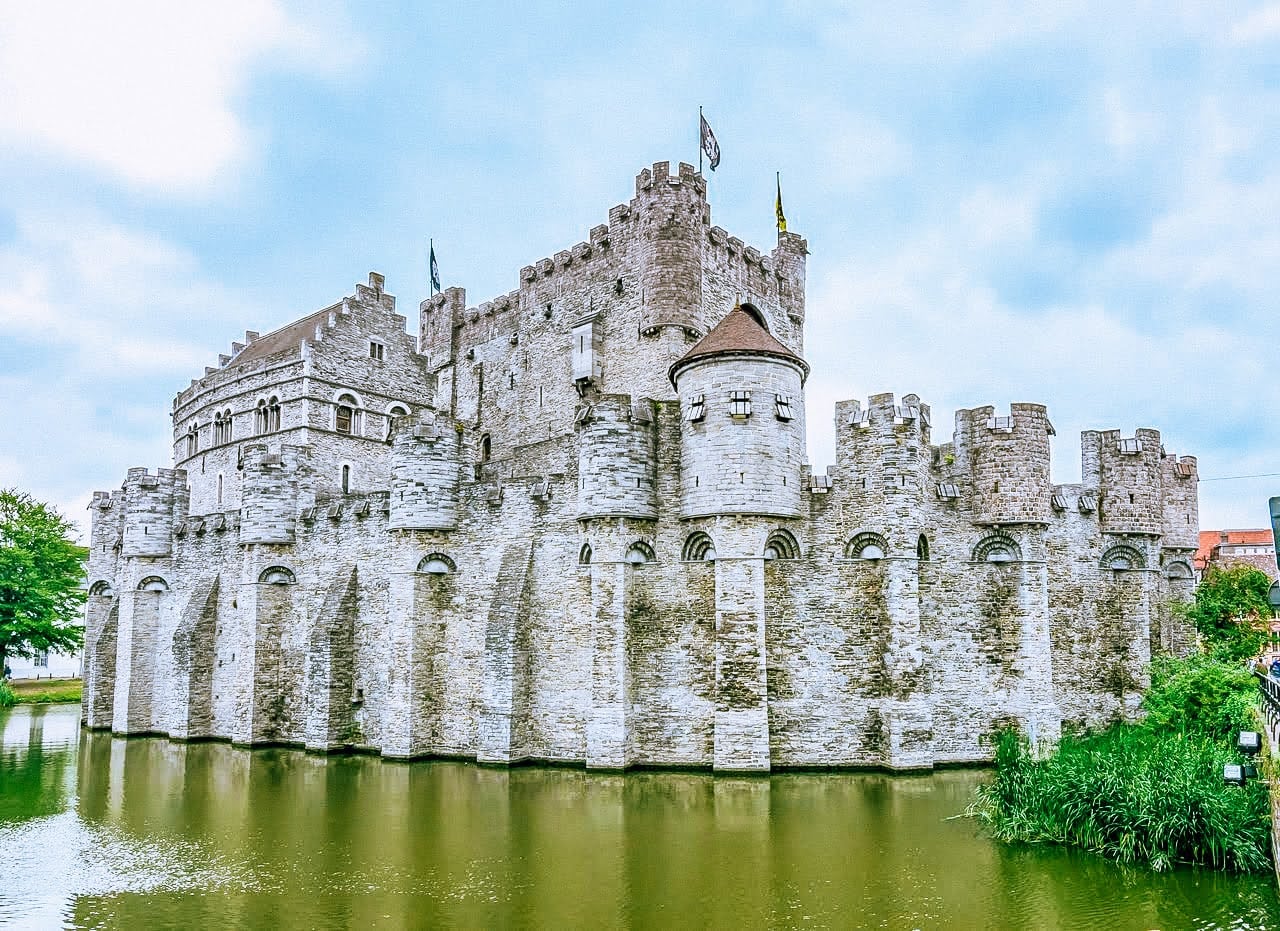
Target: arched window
<point>346,479</point>
<point>698,548</point>
<point>346,415</point>
<point>1122,557</point>
<point>1179,570</point>
<point>486,448</point>
<point>193,439</point>
<point>219,489</point>
<point>102,589</point>
<point>639,553</point>
<point>260,417</point>
<point>867,546</point>
<point>222,427</point>
<point>277,575</point>
<point>153,583</point>
<point>584,555</point>
<point>998,547</point>
<point>781,545</point>
<point>922,548</point>
<point>394,411</point>
<point>437,564</point>
<point>273,414</point>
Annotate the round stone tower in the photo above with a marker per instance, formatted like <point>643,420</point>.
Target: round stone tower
<point>1008,462</point>
<point>1127,473</point>
<point>617,465</point>
<point>673,215</point>
<point>742,436</point>
<point>424,473</point>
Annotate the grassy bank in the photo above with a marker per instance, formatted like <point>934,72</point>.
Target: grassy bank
<point>44,691</point>
<point>1150,792</point>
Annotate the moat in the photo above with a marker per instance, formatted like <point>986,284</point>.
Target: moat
<point>102,832</point>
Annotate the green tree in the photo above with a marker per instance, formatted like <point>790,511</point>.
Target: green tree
<point>1230,611</point>
<point>40,575</point>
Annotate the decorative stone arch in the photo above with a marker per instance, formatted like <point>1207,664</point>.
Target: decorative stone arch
<point>153,583</point>
<point>1179,570</point>
<point>639,553</point>
<point>867,545</point>
<point>102,589</point>
<point>698,547</point>
<point>1123,557</point>
<point>348,412</point>
<point>997,547</point>
<point>922,548</point>
<point>781,544</point>
<point>752,311</point>
<point>584,555</point>
<point>437,564</point>
<point>277,575</point>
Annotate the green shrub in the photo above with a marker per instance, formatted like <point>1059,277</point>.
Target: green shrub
<point>7,698</point>
<point>1200,695</point>
<point>1132,793</point>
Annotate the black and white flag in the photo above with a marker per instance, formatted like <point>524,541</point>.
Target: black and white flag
<point>709,144</point>
<point>435,270</point>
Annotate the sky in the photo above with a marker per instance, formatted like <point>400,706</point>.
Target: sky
<point>1074,204</point>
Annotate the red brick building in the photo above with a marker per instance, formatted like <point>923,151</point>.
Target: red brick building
<point>1224,548</point>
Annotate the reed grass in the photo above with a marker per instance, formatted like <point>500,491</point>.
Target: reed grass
<point>1149,792</point>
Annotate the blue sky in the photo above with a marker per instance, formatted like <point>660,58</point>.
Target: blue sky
<point>1076,205</point>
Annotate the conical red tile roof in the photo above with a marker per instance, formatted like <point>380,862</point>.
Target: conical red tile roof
<point>737,334</point>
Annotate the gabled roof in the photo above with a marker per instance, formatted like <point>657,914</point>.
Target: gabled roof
<point>737,334</point>
<point>289,336</point>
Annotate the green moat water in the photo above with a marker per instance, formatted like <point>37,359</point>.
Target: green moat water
<point>99,832</point>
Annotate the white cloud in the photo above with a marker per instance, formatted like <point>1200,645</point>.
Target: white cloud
<point>145,89</point>
<point>1262,25</point>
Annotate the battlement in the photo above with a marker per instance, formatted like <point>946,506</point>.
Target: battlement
<point>651,257</point>
<point>882,411</point>
<point>271,491</point>
<point>425,476</point>
<point>617,458</point>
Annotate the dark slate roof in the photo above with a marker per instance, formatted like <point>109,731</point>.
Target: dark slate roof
<point>737,334</point>
<point>287,337</point>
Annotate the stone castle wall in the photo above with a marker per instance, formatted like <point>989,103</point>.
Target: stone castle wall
<point>543,556</point>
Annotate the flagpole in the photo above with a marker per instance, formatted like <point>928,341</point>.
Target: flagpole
<point>431,278</point>
<point>699,140</point>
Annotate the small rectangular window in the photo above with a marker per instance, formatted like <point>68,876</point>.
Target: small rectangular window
<point>948,491</point>
<point>42,658</point>
<point>376,351</point>
<point>783,404</point>
<point>1002,424</point>
<point>1130,447</point>
<point>697,409</point>
<point>739,403</point>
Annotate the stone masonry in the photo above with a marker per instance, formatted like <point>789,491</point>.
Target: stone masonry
<point>576,524</point>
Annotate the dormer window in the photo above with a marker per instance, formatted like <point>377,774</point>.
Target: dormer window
<point>697,409</point>
<point>782,405</point>
<point>740,404</point>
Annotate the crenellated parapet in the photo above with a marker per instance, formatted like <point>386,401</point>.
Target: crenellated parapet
<point>617,459</point>
<point>425,478</point>
<point>1180,486</point>
<point>1006,459</point>
<point>152,503</point>
<point>271,497</point>
<point>1127,473</point>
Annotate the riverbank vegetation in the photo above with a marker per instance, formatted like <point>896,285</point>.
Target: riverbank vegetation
<point>44,691</point>
<point>1152,791</point>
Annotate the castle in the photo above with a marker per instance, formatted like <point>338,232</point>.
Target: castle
<point>576,524</point>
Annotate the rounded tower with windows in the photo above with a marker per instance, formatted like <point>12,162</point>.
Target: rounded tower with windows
<point>742,436</point>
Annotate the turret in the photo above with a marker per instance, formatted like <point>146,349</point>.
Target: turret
<point>424,473</point>
<point>269,503</point>
<point>1007,460</point>
<point>742,436</point>
<point>617,465</point>
<point>151,505</point>
<point>1181,494</point>
<point>672,216</point>
<point>1127,472</point>
<point>883,455</point>
<point>439,316</point>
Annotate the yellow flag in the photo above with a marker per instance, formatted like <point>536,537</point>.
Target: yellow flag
<point>777,207</point>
